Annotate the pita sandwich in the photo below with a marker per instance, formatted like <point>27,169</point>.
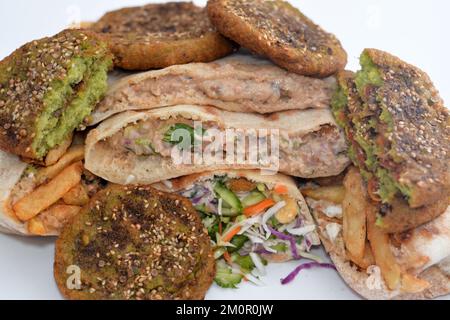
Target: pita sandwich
<point>251,187</point>
<point>143,147</point>
<point>22,182</point>
<point>239,83</point>
<point>420,256</point>
<point>11,170</point>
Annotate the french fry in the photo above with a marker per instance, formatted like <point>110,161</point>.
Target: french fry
<point>74,154</point>
<point>57,215</point>
<point>359,216</point>
<point>77,196</point>
<point>333,194</point>
<point>412,284</point>
<point>36,227</point>
<point>354,214</point>
<point>52,220</point>
<point>384,258</point>
<point>366,261</point>
<point>48,194</point>
<point>55,154</point>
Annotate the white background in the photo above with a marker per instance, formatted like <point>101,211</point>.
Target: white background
<point>415,30</point>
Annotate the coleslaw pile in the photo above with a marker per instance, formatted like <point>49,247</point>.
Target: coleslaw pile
<point>249,228</point>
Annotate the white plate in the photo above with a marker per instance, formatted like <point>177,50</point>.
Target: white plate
<point>26,272</point>
<point>26,264</point>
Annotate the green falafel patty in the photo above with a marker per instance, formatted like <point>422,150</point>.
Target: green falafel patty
<point>394,116</point>
<point>135,243</point>
<point>47,88</point>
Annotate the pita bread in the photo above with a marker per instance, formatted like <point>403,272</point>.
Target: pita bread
<point>18,180</point>
<point>121,166</point>
<point>239,83</point>
<point>11,170</point>
<point>429,243</point>
<point>186,182</point>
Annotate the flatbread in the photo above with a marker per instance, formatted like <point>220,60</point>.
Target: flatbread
<point>239,83</point>
<point>185,182</point>
<point>125,167</point>
<point>11,170</point>
<point>424,250</point>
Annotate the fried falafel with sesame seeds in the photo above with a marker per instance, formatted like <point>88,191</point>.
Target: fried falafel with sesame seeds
<point>396,215</point>
<point>135,243</point>
<point>279,31</point>
<point>399,132</point>
<point>47,88</point>
<point>411,129</point>
<point>161,35</point>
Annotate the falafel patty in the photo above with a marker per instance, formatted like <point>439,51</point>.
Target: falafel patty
<point>161,35</point>
<point>135,243</point>
<point>399,129</point>
<point>281,32</point>
<point>47,88</point>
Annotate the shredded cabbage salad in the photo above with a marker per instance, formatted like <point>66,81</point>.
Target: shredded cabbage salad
<point>248,228</point>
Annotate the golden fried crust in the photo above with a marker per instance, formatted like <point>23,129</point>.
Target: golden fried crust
<point>281,32</point>
<point>161,35</point>
<point>421,128</point>
<point>28,74</point>
<point>400,217</point>
<point>136,243</point>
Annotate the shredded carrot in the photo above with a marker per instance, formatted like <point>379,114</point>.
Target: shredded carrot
<point>231,234</point>
<point>220,227</point>
<point>259,207</point>
<point>227,258</point>
<point>280,189</point>
<point>245,278</point>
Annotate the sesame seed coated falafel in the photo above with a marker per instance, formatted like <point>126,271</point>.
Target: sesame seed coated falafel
<point>136,243</point>
<point>161,35</point>
<point>47,88</point>
<point>282,33</point>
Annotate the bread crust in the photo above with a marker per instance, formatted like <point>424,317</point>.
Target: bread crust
<point>124,167</point>
<point>279,31</point>
<point>161,35</point>
<point>237,83</point>
<point>11,170</point>
<point>358,279</point>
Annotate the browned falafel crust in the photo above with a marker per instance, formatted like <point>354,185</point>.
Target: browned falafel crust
<point>136,243</point>
<point>396,216</point>
<point>39,76</point>
<point>279,31</point>
<point>399,217</point>
<point>161,35</point>
<point>414,125</point>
